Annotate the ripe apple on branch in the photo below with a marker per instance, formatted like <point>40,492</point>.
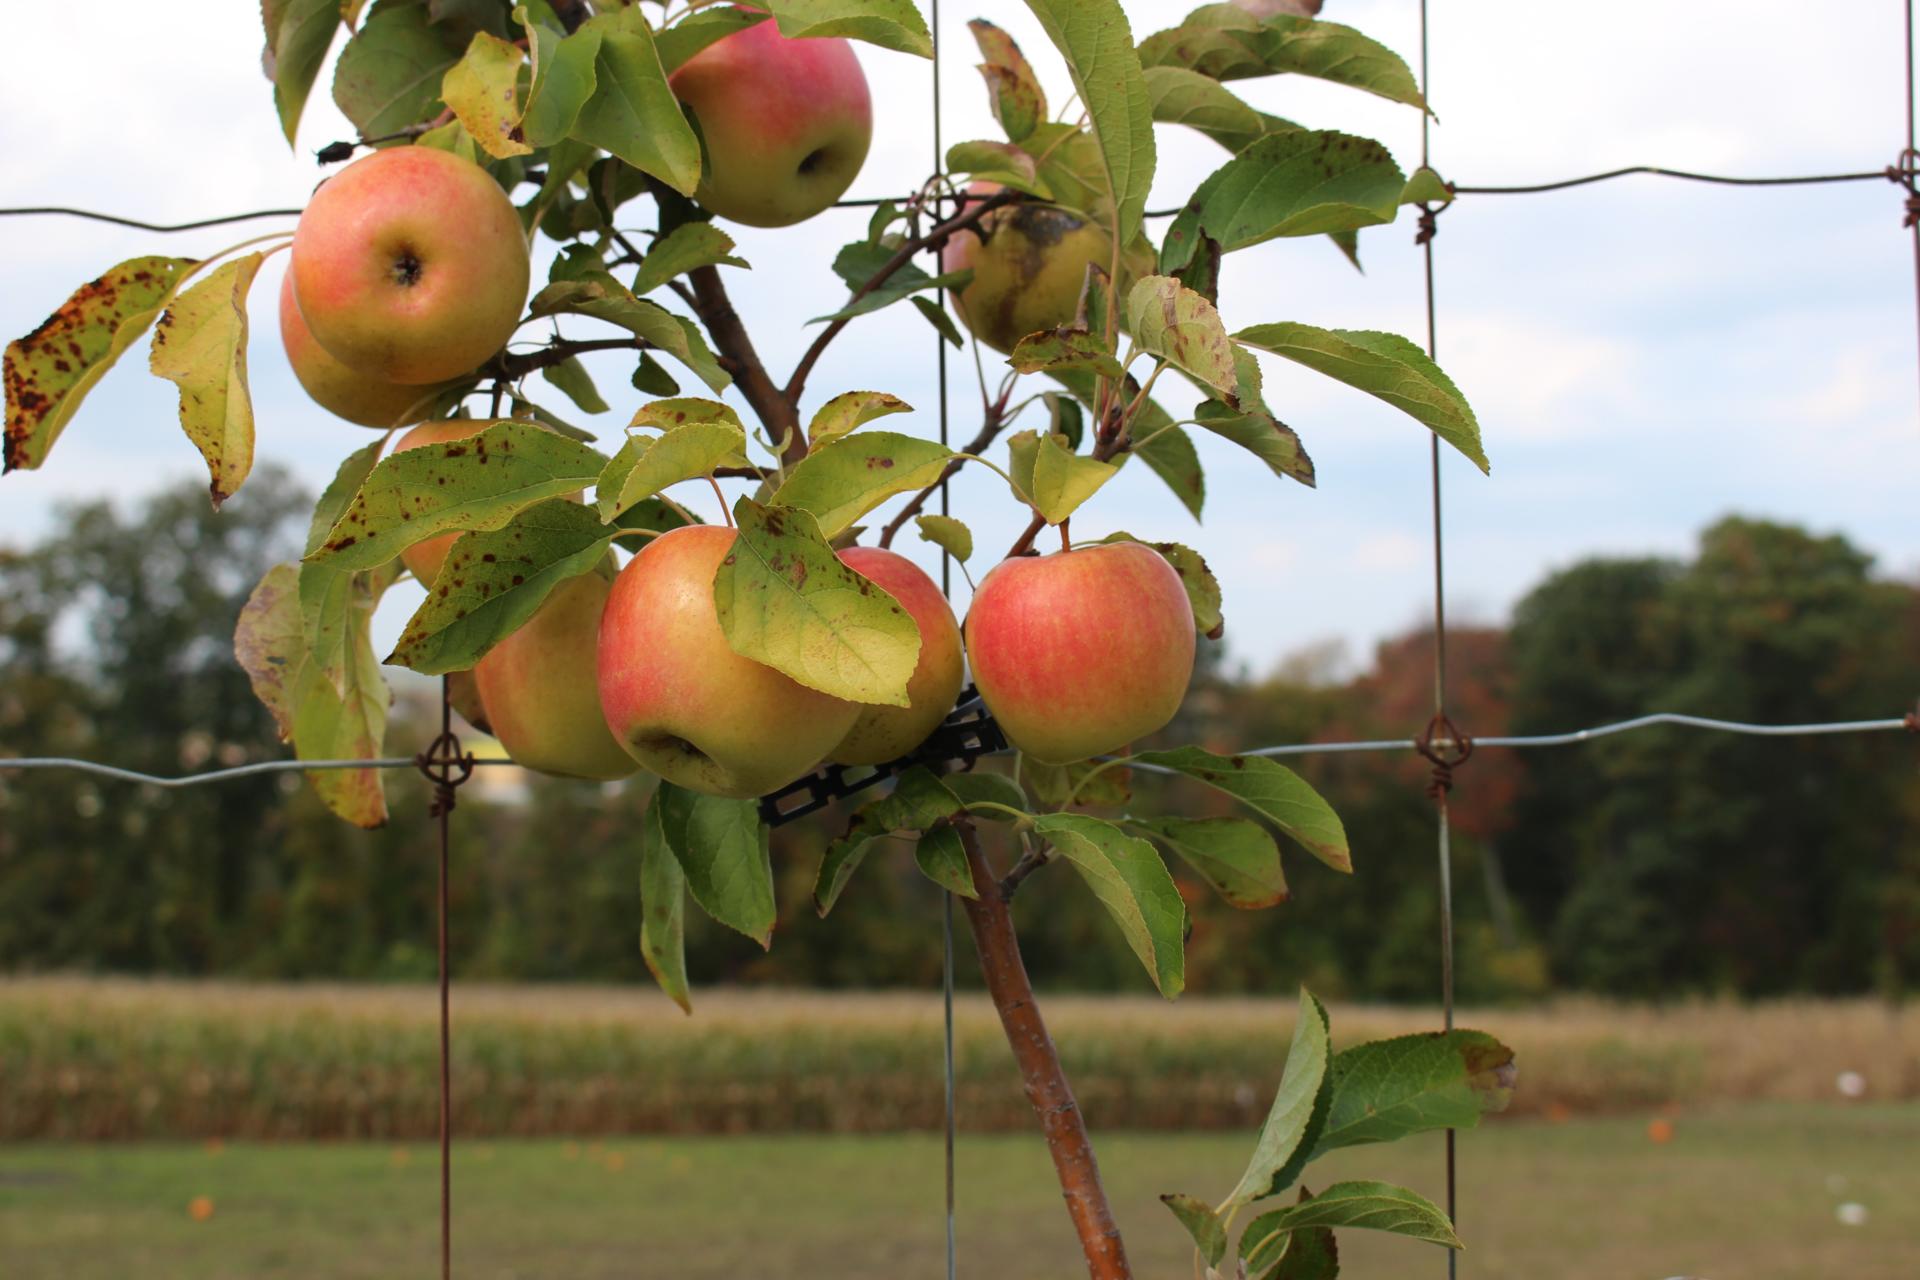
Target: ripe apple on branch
<point>614,634</point>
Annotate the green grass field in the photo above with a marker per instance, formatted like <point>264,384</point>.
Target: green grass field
<point>1742,1192</point>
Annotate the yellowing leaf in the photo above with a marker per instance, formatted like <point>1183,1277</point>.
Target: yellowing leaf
<point>1055,349</point>
<point>681,410</point>
<point>200,345</point>
<point>1171,321</point>
<point>1063,479</point>
<point>846,478</point>
<point>785,599</point>
<point>647,464</point>
<point>848,412</point>
<point>1019,103</point>
<point>49,372</point>
<point>482,91</point>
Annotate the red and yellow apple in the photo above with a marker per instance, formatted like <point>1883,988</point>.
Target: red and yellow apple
<point>410,265</point>
<point>540,691</point>
<point>423,558</point>
<point>1080,652</point>
<point>357,397</point>
<point>887,733</point>
<point>785,123</point>
<point>681,701</point>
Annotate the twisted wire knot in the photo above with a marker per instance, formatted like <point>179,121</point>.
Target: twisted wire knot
<point>446,766</point>
<point>1905,171</point>
<point>1429,223</point>
<point>1455,749</point>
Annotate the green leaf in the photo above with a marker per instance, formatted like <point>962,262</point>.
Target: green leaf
<point>1291,1124</point>
<point>943,859</point>
<point>1019,103</point>
<point>632,113</point>
<point>1127,876</point>
<point>1227,43</point>
<point>723,850</point>
<point>1377,1206</point>
<point>1311,1253</point>
<point>1202,1223</point>
<point>573,380</point>
<point>891,24</point>
<point>848,412</point>
<point>843,480</point>
<point>919,802</point>
<point>298,35</point>
<point>562,82</point>
<point>860,261</point>
<point>389,73</point>
<point>1389,1089</point>
<point>606,299</point>
<point>696,31</point>
<point>1424,186</point>
<point>1000,162</point>
<point>200,345</point>
<point>483,92</point>
<point>49,372</point>
<point>1287,184</point>
<point>492,582</point>
<point>1069,161</point>
<point>478,483</point>
<point>1064,418</point>
<point>1063,479</point>
<point>687,247</point>
<point>646,464</point>
<point>937,317</point>
<point>1203,589</point>
<point>1084,782</point>
<point>1237,857</point>
<point>1171,456</point>
<point>785,599</point>
<point>1093,37</point>
<point>1270,789</point>
<point>1171,321</point>
<point>950,535</point>
<point>652,377</point>
<point>1384,365</point>
<point>663,907</point>
<point>1023,450</point>
<point>1055,349</point>
<point>1261,434</point>
<point>993,788</point>
<point>1181,96</point>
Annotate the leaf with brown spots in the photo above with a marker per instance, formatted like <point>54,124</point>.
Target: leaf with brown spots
<point>49,372</point>
<point>1180,326</point>
<point>647,464</point>
<point>1053,349</point>
<point>846,478</point>
<point>1386,1090</point>
<point>1018,101</point>
<point>200,345</point>
<point>851,411</point>
<point>785,599</point>
<point>1270,789</point>
<point>328,711</point>
<point>490,583</point>
<point>668,414</point>
<point>479,482</point>
<point>482,91</point>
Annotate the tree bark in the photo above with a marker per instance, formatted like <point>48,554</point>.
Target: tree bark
<point>991,918</point>
<point>776,412</point>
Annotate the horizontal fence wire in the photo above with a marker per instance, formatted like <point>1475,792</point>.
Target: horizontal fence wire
<point>1890,174</point>
<point>1910,723</point>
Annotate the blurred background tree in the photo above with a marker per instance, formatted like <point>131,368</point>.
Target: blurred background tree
<point>1657,864</point>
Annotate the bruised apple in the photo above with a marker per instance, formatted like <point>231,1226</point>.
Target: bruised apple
<point>681,701</point>
<point>343,392</point>
<point>887,733</point>
<point>786,123</point>
<point>1029,264</point>
<point>1080,652</point>
<point>539,690</point>
<point>410,265</point>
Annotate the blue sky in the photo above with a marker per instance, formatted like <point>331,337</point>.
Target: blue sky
<point>1644,356</point>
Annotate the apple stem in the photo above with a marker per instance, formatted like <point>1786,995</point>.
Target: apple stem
<point>1066,543</point>
<point>991,920</point>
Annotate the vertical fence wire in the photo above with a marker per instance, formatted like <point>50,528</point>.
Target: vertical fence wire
<point>949,1122</point>
<point>1909,163</point>
<point>1443,822</point>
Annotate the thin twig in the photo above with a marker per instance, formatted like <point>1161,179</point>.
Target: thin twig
<point>779,414</point>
